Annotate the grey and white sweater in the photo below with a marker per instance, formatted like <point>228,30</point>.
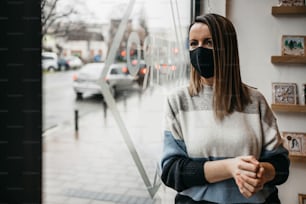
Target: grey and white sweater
<point>192,136</point>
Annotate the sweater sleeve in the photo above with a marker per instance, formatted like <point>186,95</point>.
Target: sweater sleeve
<point>178,170</point>
<point>281,164</point>
<point>273,150</point>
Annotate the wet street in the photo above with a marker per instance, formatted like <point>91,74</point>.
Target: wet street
<point>59,100</point>
<point>95,165</point>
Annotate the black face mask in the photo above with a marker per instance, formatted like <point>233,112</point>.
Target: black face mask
<point>202,59</point>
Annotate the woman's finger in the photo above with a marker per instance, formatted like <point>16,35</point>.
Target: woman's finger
<point>253,185</point>
<point>248,165</point>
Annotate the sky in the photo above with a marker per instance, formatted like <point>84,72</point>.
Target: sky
<point>157,12</point>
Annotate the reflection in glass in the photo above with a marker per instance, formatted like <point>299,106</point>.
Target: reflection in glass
<point>119,136</point>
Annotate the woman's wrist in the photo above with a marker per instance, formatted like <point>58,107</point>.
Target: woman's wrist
<point>216,171</point>
<point>267,172</point>
<point>230,167</point>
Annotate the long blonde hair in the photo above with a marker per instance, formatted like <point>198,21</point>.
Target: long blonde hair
<point>229,92</point>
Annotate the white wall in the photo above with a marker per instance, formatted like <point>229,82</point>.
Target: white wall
<point>259,37</point>
<point>215,6</point>
<point>76,45</point>
<point>83,46</point>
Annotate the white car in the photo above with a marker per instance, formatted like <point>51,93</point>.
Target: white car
<point>49,61</point>
<point>73,62</point>
<point>86,79</point>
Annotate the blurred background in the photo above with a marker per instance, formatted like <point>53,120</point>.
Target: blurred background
<point>103,146</point>
<point>74,36</point>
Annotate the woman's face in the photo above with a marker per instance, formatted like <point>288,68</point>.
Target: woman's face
<point>199,36</point>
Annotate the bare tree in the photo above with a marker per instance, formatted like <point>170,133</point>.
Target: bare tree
<point>51,17</point>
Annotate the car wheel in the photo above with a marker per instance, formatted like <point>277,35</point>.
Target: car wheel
<point>51,69</point>
<point>79,96</point>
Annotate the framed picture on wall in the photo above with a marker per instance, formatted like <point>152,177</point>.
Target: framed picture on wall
<point>293,45</point>
<point>295,142</point>
<point>284,93</point>
<point>302,198</point>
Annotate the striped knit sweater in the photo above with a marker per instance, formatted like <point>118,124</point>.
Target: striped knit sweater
<point>192,136</point>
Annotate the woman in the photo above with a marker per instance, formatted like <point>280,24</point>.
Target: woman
<point>221,140</point>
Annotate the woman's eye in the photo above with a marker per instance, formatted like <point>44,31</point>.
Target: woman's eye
<point>192,44</point>
<point>208,43</point>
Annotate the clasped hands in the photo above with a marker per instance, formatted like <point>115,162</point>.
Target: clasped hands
<point>249,175</point>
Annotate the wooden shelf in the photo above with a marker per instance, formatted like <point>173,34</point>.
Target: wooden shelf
<point>289,10</point>
<point>296,158</point>
<point>289,108</point>
<point>288,59</point>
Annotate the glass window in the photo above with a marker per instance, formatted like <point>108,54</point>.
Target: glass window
<point>110,148</point>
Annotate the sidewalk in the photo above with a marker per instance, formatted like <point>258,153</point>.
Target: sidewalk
<point>95,165</point>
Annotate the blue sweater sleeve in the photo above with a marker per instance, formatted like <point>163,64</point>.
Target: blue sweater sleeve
<point>178,170</point>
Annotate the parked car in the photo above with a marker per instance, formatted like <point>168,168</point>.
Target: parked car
<point>73,62</point>
<point>86,79</point>
<point>49,61</point>
<point>119,78</point>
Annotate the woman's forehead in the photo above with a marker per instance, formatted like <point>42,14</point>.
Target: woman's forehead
<point>199,30</point>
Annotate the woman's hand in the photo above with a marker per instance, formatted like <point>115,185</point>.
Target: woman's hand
<point>244,165</point>
<point>249,174</point>
<point>221,170</point>
<point>244,170</point>
<point>248,186</point>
